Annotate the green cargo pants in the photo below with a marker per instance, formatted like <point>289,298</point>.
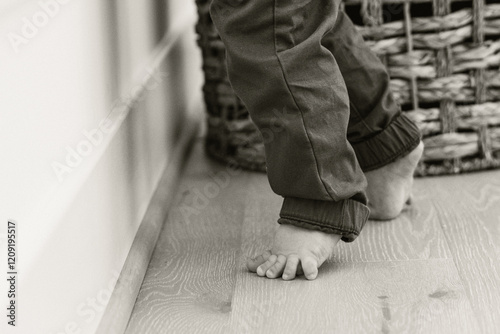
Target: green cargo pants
<point>304,73</point>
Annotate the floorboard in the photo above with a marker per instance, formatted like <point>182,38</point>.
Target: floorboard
<point>468,209</point>
<point>432,270</point>
<point>406,285</point>
<point>190,281</point>
<point>419,296</point>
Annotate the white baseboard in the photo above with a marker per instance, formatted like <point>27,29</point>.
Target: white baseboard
<point>121,304</point>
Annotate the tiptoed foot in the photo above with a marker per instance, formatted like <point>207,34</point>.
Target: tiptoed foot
<point>296,251</point>
<point>389,187</point>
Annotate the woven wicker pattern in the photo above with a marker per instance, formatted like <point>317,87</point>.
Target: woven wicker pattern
<point>443,57</point>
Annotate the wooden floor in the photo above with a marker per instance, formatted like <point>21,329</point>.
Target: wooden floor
<point>435,269</point>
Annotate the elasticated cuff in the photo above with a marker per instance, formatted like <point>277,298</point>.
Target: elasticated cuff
<point>400,138</point>
<point>346,217</point>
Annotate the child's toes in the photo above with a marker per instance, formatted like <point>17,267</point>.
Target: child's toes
<point>253,264</point>
<point>263,268</point>
<point>277,269</point>
<point>291,267</point>
<point>310,267</point>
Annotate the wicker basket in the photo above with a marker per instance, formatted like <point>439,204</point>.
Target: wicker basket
<point>444,72</point>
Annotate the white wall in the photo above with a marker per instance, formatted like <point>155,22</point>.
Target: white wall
<point>56,89</point>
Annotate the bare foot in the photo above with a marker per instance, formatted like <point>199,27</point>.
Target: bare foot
<point>296,251</point>
<point>389,187</point>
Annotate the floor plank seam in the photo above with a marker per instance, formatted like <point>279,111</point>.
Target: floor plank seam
<point>463,280</point>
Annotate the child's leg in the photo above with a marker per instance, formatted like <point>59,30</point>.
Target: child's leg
<point>385,141</point>
<point>296,95</point>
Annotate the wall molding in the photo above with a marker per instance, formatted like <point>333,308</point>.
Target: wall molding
<point>117,314</point>
<point>119,309</point>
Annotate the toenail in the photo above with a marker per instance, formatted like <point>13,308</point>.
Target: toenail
<point>313,276</point>
<point>285,276</point>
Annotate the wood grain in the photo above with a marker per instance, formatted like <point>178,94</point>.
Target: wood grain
<point>416,234</point>
<point>410,285</point>
<point>468,208</point>
<point>432,270</point>
<point>122,301</point>
<point>190,280</point>
<point>420,296</point>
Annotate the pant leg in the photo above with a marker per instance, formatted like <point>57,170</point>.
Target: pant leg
<point>377,130</point>
<point>293,89</point>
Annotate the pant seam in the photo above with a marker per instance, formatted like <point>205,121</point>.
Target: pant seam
<point>342,213</point>
<point>357,112</point>
<point>297,105</point>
